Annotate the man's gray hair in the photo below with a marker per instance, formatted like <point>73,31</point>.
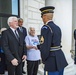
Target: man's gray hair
<point>10,19</point>
<point>30,29</point>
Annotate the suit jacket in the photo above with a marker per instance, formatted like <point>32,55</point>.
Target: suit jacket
<point>24,31</point>
<point>53,60</point>
<point>12,47</point>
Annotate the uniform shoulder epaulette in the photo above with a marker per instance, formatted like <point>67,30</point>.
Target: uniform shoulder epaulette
<point>44,27</point>
<point>50,28</point>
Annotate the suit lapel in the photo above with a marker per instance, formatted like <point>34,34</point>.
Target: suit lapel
<point>20,36</point>
<point>13,34</point>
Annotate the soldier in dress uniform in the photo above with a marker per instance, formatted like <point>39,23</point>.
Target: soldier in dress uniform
<point>75,46</point>
<point>50,47</point>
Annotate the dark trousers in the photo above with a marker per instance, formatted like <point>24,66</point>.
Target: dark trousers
<point>32,67</point>
<point>54,73</point>
<point>2,63</point>
<point>75,56</point>
<point>23,63</point>
<point>14,70</point>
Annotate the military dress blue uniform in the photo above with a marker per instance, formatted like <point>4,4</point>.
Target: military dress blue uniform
<point>50,47</point>
<point>75,46</point>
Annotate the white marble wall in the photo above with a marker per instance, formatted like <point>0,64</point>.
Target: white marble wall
<point>29,10</point>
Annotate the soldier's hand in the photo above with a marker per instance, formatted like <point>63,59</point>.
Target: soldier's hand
<point>14,62</point>
<point>35,47</point>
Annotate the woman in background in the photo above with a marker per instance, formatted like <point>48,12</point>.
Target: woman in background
<point>2,56</point>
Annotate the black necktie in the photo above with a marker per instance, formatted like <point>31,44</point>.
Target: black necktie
<point>17,35</point>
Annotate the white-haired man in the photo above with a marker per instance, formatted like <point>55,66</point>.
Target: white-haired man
<point>14,47</point>
<point>33,53</point>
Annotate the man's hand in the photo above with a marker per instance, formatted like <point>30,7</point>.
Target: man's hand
<point>24,58</point>
<point>14,62</point>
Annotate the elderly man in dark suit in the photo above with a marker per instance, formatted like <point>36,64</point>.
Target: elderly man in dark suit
<point>24,32</point>
<point>14,47</point>
<point>52,55</point>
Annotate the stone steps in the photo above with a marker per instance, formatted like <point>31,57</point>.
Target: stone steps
<point>69,70</point>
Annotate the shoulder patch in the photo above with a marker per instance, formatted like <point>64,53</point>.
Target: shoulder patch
<point>41,40</point>
<point>45,27</point>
